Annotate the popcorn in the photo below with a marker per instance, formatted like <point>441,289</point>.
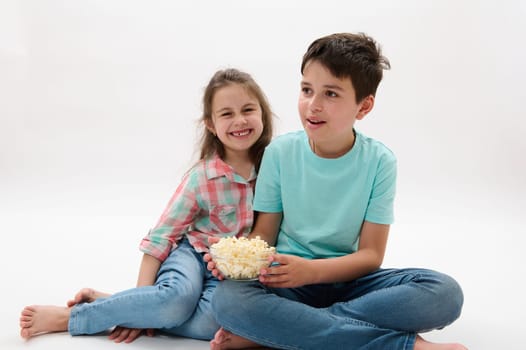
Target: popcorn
<point>241,258</point>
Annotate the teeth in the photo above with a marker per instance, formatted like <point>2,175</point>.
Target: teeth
<point>241,133</point>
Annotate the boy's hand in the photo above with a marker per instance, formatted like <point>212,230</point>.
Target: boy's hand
<point>291,272</point>
<point>211,266</point>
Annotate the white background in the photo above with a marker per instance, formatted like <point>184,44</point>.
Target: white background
<point>98,108</point>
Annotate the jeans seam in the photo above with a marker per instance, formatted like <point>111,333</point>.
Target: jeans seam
<point>72,321</point>
<point>410,342</point>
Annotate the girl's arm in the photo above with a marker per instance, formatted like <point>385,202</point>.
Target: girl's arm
<point>179,214</point>
<point>294,271</point>
<point>147,275</point>
<point>267,227</point>
<point>148,271</point>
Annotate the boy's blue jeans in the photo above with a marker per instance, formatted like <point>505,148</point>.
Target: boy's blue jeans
<point>383,310</point>
<point>179,303</point>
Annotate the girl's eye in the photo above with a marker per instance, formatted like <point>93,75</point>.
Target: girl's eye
<point>226,114</point>
<point>248,110</point>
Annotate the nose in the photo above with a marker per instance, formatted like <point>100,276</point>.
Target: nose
<point>315,104</point>
<point>240,119</point>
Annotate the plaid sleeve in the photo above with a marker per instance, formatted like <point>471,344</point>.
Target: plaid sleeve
<point>175,220</point>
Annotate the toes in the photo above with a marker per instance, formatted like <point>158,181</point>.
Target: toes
<point>25,318</point>
<point>28,311</point>
<point>25,323</point>
<point>25,333</point>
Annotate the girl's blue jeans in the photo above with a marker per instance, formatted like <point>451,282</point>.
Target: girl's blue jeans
<point>383,310</point>
<point>179,303</point>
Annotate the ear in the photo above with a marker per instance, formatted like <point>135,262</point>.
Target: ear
<point>366,105</point>
<point>210,126</point>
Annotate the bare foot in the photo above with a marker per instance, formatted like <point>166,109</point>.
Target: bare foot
<point>86,295</point>
<point>421,344</point>
<point>224,339</point>
<point>36,319</point>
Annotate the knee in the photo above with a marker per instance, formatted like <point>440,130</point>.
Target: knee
<point>453,293</point>
<point>179,303</point>
<point>450,297</point>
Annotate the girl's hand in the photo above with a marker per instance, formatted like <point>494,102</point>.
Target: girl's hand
<point>211,266</point>
<point>291,272</point>
<point>128,335</point>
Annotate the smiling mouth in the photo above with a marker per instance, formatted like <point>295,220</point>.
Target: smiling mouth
<point>241,133</point>
<point>315,122</point>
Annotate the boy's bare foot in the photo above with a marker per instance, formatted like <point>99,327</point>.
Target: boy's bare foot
<point>86,295</point>
<point>223,340</point>
<point>421,344</point>
<point>36,319</point>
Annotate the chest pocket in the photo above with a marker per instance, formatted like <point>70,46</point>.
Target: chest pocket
<point>223,217</point>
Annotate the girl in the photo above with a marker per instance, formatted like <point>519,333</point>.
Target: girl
<point>174,287</point>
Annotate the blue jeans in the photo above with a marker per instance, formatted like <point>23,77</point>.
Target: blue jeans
<point>383,310</point>
<point>179,303</point>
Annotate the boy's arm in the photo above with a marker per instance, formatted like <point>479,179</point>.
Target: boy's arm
<point>267,227</point>
<point>296,271</point>
<point>369,257</point>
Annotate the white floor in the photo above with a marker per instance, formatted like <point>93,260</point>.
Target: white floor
<point>64,341</point>
<point>58,238</point>
<point>97,125</point>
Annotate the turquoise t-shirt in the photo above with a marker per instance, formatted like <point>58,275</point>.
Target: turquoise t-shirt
<point>325,201</point>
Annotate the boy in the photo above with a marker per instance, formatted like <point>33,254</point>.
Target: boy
<point>325,199</point>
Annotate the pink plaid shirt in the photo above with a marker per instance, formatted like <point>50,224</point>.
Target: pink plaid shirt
<point>212,200</point>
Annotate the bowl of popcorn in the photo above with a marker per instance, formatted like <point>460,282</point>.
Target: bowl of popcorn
<point>241,259</point>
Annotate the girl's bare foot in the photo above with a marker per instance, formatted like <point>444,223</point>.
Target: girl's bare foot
<point>421,344</point>
<point>36,319</point>
<point>86,295</point>
<point>223,340</point>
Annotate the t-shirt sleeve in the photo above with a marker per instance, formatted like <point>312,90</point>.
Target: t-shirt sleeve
<point>380,208</point>
<point>267,197</point>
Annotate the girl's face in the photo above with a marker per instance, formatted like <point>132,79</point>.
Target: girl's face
<point>237,119</point>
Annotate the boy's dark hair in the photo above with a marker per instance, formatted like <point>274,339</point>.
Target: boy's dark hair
<point>348,55</point>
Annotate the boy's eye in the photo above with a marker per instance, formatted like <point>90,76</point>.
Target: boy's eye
<point>306,90</point>
<point>331,94</point>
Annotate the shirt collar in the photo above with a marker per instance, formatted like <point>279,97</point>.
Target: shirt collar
<point>215,167</point>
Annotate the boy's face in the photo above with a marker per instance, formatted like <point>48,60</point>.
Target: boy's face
<point>328,109</point>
